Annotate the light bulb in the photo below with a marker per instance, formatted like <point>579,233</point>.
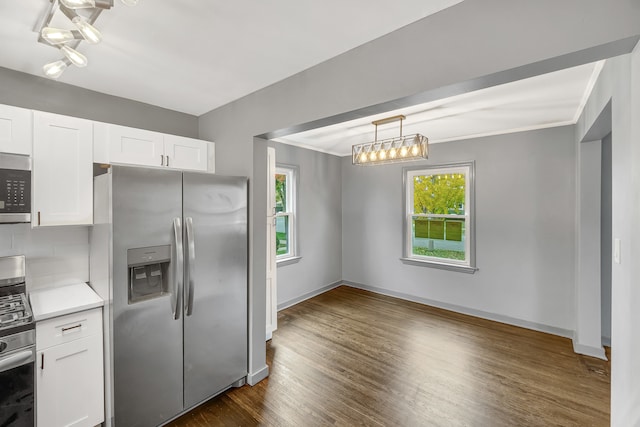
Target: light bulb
<point>76,58</point>
<point>363,157</point>
<point>88,31</point>
<point>53,70</point>
<point>383,154</point>
<point>392,153</point>
<point>130,2</point>
<point>373,156</point>
<point>414,150</point>
<point>403,152</point>
<point>56,35</point>
<point>78,4</point>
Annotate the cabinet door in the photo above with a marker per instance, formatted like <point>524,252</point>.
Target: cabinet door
<point>62,177</point>
<point>135,146</point>
<point>15,130</point>
<point>185,153</point>
<point>70,385</point>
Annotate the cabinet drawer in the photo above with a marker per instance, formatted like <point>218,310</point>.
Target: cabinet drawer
<point>63,329</point>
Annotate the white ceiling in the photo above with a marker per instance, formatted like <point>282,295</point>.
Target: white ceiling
<point>193,56</point>
<point>548,100</point>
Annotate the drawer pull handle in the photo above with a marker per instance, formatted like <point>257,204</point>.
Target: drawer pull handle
<point>42,361</point>
<point>72,327</point>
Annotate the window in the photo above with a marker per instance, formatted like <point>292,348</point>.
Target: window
<point>285,213</point>
<point>439,223</point>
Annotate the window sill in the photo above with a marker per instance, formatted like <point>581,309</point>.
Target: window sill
<point>440,265</point>
<point>287,261</point>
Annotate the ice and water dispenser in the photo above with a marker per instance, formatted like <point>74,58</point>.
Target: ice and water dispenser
<point>148,272</point>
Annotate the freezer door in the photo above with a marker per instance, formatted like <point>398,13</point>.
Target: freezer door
<point>147,337</point>
<point>215,323</point>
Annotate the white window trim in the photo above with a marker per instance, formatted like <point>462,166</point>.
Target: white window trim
<point>469,264</point>
<point>292,195</point>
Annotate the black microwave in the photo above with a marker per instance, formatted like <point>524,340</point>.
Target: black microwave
<point>15,188</point>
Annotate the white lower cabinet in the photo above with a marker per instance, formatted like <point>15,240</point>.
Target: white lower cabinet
<point>69,370</point>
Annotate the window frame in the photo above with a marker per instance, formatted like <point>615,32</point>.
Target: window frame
<point>408,257</point>
<point>291,173</point>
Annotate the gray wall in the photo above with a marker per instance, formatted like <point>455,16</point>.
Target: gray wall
<point>453,49</point>
<point>524,230</point>
<point>39,93</point>
<point>60,255</point>
<point>605,239</point>
<point>319,224</point>
<point>587,335</point>
<point>619,84</point>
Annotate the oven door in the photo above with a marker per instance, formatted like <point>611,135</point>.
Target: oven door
<point>17,394</point>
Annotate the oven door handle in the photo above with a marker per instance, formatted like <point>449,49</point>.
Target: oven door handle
<point>17,359</point>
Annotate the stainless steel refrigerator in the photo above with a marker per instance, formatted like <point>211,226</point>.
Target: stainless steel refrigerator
<point>169,256</point>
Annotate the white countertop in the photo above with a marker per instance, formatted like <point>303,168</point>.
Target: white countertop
<point>48,303</point>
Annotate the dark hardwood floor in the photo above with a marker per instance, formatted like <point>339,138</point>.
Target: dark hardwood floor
<point>351,357</point>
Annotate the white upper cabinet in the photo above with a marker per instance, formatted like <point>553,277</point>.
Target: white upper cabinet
<point>135,146</point>
<point>62,177</point>
<point>125,145</point>
<point>15,130</point>
<point>185,153</point>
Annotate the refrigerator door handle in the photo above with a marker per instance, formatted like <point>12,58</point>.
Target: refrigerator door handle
<point>177,259</point>
<point>190,259</point>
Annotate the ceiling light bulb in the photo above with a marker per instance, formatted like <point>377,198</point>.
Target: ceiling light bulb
<point>78,4</point>
<point>383,154</point>
<point>54,69</point>
<point>130,2</point>
<point>56,35</point>
<point>88,31</point>
<point>363,157</point>
<point>76,58</point>
<point>373,156</point>
<point>392,153</point>
<point>414,150</point>
<point>403,151</point>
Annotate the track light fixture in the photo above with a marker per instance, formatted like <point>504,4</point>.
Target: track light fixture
<point>53,70</point>
<point>78,4</point>
<point>88,31</point>
<point>82,15</point>
<point>56,35</point>
<point>76,58</point>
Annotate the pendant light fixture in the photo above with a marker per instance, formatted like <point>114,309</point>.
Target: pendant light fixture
<point>392,150</point>
<point>82,15</point>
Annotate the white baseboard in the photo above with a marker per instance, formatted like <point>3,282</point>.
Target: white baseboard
<point>254,378</point>
<point>465,310</point>
<point>316,292</point>
<point>588,350</point>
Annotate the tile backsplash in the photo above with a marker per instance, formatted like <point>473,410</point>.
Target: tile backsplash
<point>55,256</point>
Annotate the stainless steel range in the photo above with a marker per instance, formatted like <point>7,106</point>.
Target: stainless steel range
<point>17,346</point>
